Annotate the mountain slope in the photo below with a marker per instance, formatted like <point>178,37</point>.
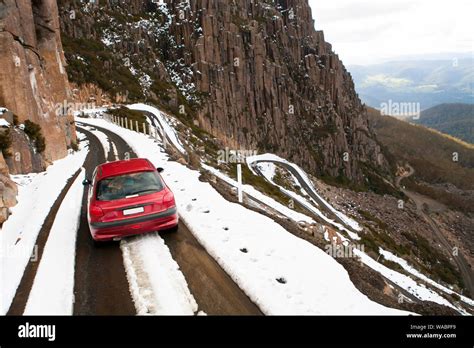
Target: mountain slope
<point>254,74</point>
<point>453,119</point>
<point>436,173</point>
<point>438,160</point>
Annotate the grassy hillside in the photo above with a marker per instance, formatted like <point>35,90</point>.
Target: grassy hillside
<point>453,119</point>
<point>432,155</point>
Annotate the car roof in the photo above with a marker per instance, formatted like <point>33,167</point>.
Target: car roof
<point>124,167</point>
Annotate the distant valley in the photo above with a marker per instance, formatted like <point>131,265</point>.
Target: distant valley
<point>427,82</point>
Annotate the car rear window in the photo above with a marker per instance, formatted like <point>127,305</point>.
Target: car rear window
<point>128,185</point>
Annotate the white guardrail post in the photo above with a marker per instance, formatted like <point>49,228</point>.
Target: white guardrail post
<point>239,182</point>
<point>163,137</point>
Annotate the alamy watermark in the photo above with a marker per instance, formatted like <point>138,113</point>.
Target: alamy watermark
<point>344,251</point>
<point>234,156</point>
<point>20,252</point>
<point>68,108</point>
<point>401,109</point>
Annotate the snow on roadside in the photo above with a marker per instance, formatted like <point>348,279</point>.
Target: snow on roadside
<point>115,151</point>
<point>391,257</point>
<point>280,272</point>
<point>267,172</point>
<point>18,234</point>
<point>400,279</point>
<point>271,157</point>
<point>312,208</point>
<point>52,292</point>
<point>156,283</point>
<point>252,192</point>
<point>104,140</point>
<point>164,123</point>
<point>406,283</point>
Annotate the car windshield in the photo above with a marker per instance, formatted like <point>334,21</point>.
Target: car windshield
<point>128,185</point>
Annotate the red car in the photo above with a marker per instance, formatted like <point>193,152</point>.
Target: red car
<point>129,198</point>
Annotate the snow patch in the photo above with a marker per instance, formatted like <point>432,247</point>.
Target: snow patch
<point>164,122</point>
<point>268,173</point>
<point>391,257</point>
<point>252,192</point>
<point>271,157</point>
<point>104,140</point>
<point>52,292</point>
<point>36,195</point>
<point>157,285</point>
<point>405,282</point>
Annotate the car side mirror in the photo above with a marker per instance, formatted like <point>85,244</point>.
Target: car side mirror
<point>86,182</point>
<point>159,169</point>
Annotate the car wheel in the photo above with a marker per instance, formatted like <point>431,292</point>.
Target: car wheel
<point>172,229</point>
<point>96,243</point>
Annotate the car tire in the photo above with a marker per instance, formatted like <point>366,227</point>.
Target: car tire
<point>173,229</point>
<point>96,243</point>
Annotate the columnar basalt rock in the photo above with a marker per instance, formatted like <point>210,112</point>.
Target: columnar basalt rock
<point>275,84</point>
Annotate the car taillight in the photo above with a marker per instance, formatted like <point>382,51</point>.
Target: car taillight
<point>96,211</point>
<point>168,199</point>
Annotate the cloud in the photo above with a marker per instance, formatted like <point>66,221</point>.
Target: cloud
<point>370,31</point>
<point>426,88</point>
<point>386,81</point>
<point>358,9</point>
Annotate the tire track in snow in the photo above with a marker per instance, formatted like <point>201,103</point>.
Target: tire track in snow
<point>18,304</point>
<point>53,286</point>
<point>157,285</point>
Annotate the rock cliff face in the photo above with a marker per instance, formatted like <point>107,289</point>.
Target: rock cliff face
<point>256,74</point>
<point>33,82</point>
<point>8,191</point>
<point>275,84</point>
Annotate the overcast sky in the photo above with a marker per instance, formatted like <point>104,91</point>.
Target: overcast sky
<point>370,31</point>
